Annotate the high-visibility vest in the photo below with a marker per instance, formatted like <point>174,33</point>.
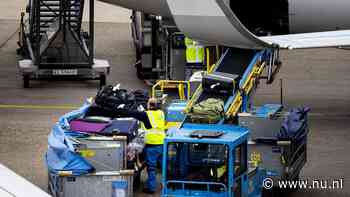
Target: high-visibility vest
<point>155,135</point>
<point>194,51</point>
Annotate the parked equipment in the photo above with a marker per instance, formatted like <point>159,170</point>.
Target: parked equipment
<point>54,45</point>
<point>160,48</point>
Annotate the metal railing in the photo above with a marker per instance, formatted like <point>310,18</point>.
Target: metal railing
<point>184,88</point>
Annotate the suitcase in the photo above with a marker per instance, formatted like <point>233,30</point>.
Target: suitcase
<point>103,153</point>
<point>88,125</point>
<point>101,184</point>
<point>123,127</point>
<point>220,83</point>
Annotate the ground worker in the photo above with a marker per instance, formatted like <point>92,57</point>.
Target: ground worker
<point>194,57</point>
<point>154,139</point>
<point>153,123</point>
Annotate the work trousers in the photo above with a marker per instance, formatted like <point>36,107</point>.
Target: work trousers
<point>153,155</point>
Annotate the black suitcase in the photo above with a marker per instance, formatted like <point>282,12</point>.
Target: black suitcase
<point>123,127</point>
<point>221,83</point>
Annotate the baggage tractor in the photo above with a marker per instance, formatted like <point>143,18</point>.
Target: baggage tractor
<point>100,184</point>
<point>103,153</point>
<point>220,83</point>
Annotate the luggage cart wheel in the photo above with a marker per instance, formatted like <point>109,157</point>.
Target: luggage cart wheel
<point>26,81</point>
<point>103,80</point>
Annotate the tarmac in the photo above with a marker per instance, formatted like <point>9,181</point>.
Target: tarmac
<point>317,78</point>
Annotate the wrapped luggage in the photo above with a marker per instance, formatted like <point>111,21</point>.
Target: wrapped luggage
<point>208,111</point>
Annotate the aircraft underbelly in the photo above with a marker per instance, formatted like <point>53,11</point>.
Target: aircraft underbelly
<point>212,22</point>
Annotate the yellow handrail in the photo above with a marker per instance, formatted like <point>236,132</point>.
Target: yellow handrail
<point>208,59</point>
<point>247,87</point>
<point>256,72</point>
<point>193,99</point>
<point>235,106</point>
<point>170,84</point>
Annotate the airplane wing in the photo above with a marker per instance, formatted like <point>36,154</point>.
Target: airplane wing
<point>311,40</point>
<point>213,22</point>
<point>13,185</point>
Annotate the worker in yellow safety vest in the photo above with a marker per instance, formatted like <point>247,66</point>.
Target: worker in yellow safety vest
<point>153,123</point>
<point>154,138</point>
<point>194,57</point>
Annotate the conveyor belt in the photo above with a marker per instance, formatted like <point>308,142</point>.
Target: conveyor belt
<point>234,61</point>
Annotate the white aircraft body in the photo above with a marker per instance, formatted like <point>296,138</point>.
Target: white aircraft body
<point>255,24</point>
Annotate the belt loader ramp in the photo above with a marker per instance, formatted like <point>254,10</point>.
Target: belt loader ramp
<point>54,45</point>
<point>265,152</point>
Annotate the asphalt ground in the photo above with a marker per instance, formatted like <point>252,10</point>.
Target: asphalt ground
<point>316,78</point>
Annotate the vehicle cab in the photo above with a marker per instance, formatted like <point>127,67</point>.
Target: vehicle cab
<point>207,160</point>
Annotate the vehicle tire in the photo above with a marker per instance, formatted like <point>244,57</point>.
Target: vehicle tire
<point>26,80</point>
<point>103,80</point>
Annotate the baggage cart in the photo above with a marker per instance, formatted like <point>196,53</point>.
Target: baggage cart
<point>103,153</point>
<point>100,184</point>
<point>282,158</point>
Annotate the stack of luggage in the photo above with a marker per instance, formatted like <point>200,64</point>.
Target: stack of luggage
<point>87,155</point>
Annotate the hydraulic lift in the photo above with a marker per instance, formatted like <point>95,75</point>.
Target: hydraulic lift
<point>54,45</point>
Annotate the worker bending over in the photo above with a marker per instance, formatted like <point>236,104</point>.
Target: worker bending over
<point>153,123</point>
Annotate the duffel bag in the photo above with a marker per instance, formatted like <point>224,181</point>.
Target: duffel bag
<point>208,111</point>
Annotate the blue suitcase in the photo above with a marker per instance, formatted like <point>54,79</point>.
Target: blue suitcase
<point>123,127</point>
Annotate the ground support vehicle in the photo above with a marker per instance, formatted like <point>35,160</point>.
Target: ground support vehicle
<point>54,45</point>
<point>270,151</point>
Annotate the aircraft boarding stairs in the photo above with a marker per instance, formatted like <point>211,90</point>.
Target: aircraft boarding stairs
<point>55,45</point>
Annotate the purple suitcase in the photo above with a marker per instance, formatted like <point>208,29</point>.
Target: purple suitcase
<point>88,126</point>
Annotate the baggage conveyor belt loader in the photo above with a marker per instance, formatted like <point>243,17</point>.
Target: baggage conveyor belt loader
<point>232,156</point>
<point>54,45</point>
